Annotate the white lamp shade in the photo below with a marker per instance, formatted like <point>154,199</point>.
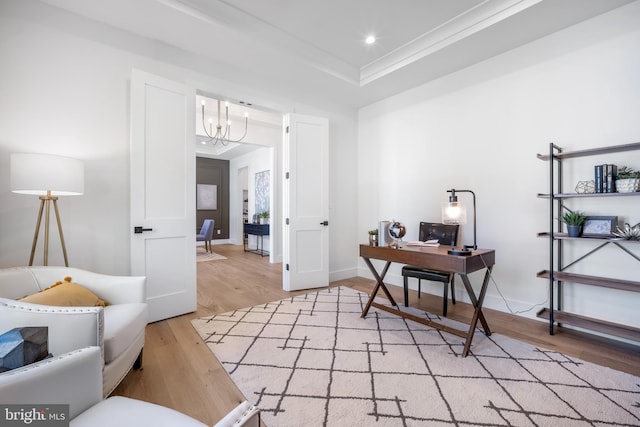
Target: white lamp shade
<point>38,174</point>
<point>454,213</point>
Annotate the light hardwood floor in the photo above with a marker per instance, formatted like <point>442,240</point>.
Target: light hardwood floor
<point>180,372</point>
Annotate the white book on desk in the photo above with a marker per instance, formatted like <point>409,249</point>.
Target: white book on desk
<point>430,243</point>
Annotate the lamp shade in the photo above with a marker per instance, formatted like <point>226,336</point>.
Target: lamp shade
<point>38,174</point>
<point>454,213</point>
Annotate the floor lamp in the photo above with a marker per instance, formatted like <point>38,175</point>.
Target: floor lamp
<point>48,177</point>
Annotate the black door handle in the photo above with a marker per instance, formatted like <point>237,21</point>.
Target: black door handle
<point>324,223</point>
<point>139,230</point>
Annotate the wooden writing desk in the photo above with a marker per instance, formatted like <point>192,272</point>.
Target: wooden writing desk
<point>433,259</point>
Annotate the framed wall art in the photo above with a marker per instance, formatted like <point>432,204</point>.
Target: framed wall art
<point>599,226</point>
<point>263,190</point>
<point>206,197</point>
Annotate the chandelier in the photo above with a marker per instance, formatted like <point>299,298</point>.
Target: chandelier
<point>223,137</point>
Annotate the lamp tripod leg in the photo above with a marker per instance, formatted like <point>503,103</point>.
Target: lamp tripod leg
<point>45,205</point>
<point>46,231</point>
<point>35,234</point>
<point>64,247</point>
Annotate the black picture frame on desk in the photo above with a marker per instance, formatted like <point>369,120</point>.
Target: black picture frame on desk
<point>599,226</point>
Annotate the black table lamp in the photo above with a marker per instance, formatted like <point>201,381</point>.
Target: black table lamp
<point>454,212</point>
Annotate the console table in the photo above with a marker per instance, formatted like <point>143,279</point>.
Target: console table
<point>434,259</point>
<point>259,230</point>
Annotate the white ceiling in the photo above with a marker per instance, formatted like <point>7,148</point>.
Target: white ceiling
<point>316,49</point>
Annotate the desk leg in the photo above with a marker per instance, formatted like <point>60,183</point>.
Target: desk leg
<point>477,304</point>
<point>261,250</point>
<point>379,284</point>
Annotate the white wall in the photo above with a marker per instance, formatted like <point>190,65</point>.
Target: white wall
<point>480,129</point>
<point>64,85</point>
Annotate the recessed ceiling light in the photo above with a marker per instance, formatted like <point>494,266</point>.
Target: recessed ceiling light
<point>370,39</point>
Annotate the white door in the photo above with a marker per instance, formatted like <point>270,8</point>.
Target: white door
<point>163,193</point>
<point>306,202</point>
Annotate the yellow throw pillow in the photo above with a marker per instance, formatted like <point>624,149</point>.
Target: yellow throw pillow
<point>65,294</point>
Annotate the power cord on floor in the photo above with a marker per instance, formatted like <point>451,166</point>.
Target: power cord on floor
<point>545,303</point>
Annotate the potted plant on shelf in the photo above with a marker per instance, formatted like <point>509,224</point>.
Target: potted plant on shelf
<point>264,217</point>
<point>373,237</point>
<point>627,180</point>
<point>574,221</point>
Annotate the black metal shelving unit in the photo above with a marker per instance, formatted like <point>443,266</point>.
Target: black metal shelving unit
<point>557,274</point>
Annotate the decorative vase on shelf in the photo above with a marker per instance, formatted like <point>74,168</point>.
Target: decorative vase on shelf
<point>627,180</point>
<point>627,185</point>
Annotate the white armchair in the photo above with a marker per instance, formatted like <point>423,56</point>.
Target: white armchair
<point>75,378</point>
<point>118,329</point>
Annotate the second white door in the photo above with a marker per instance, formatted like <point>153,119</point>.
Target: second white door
<point>306,202</point>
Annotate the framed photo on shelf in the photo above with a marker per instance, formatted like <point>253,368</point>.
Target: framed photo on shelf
<point>599,226</point>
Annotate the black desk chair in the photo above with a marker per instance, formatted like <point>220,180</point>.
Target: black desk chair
<point>446,235</point>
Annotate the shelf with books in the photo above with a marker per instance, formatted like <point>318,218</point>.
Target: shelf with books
<point>576,195</point>
<point>591,151</point>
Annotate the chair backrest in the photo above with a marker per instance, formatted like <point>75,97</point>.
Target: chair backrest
<point>17,282</point>
<point>446,234</point>
<point>207,229</point>
<point>74,378</point>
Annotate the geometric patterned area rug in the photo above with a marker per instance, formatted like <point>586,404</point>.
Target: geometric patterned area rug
<point>311,360</point>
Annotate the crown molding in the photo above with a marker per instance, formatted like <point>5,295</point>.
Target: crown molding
<point>462,26</point>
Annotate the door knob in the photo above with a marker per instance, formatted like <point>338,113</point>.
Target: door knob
<point>324,223</point>
<point>139,229</point>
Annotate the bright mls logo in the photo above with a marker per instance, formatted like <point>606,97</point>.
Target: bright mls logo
<point>34,415</point>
